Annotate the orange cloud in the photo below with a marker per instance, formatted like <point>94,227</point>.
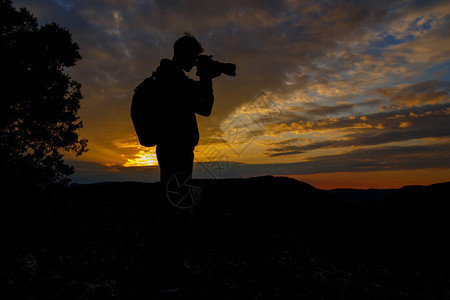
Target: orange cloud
<point>143,158</point>
<point>405,124</point>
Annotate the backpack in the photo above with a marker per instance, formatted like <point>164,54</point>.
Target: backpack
<point>146,112</point>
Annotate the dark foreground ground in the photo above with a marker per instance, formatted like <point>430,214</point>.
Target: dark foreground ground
<point>248,239</point>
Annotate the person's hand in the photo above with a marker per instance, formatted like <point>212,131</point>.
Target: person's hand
<point>206,67</point>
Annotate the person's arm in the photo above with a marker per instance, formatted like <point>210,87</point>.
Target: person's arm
<point>200,95</point>
<point>206,102</point>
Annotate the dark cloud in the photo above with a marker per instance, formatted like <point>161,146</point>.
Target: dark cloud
<point>358,160</point>
<point>425,92</point>
<point>284,151</point>
<point>375,129</point>
<point>372,102</point>
<point>311,111</point>
<point>324,110</point>
<point>384,158</point>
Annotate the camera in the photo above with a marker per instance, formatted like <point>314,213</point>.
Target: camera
<point>206,66</point>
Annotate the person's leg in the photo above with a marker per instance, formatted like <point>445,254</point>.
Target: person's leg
<point>166,238</point>
<point>173,160</point>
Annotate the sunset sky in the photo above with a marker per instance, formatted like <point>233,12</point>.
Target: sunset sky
<point>333,93</point>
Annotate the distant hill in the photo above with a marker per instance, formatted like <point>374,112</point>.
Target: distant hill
<point>269,200</point>
<point>282,203</point>
<point>283,200</point>
<point>361,196</point>
<point>415,219</point>
<point>369,196</point>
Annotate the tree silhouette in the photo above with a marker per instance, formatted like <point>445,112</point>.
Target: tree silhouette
<point>39,103</point>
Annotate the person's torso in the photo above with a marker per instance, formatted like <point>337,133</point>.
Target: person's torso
<point>179,124</point>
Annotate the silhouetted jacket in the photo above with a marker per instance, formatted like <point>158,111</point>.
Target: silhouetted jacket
<point>183,98</point>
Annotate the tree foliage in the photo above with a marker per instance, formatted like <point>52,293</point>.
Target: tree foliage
<point>39,102</point>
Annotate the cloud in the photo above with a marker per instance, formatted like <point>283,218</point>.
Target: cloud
<point>324,110</point>
<point>372,102</point>
<point>357,160</point>
<point>382,158</point>
<point>425,92</point>
<point>375,129</point>
<point>419,28</point>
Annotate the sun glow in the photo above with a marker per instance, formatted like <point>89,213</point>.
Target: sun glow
<point>143,158</point>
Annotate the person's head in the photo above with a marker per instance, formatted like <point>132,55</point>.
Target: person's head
<point>186,50</point>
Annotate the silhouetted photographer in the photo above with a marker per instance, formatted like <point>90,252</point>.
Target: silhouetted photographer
<point>170,124</point>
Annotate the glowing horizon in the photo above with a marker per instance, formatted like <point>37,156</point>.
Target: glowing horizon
<point>143,158</point>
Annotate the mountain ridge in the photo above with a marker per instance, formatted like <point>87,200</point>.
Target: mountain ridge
<point>358,196</point>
